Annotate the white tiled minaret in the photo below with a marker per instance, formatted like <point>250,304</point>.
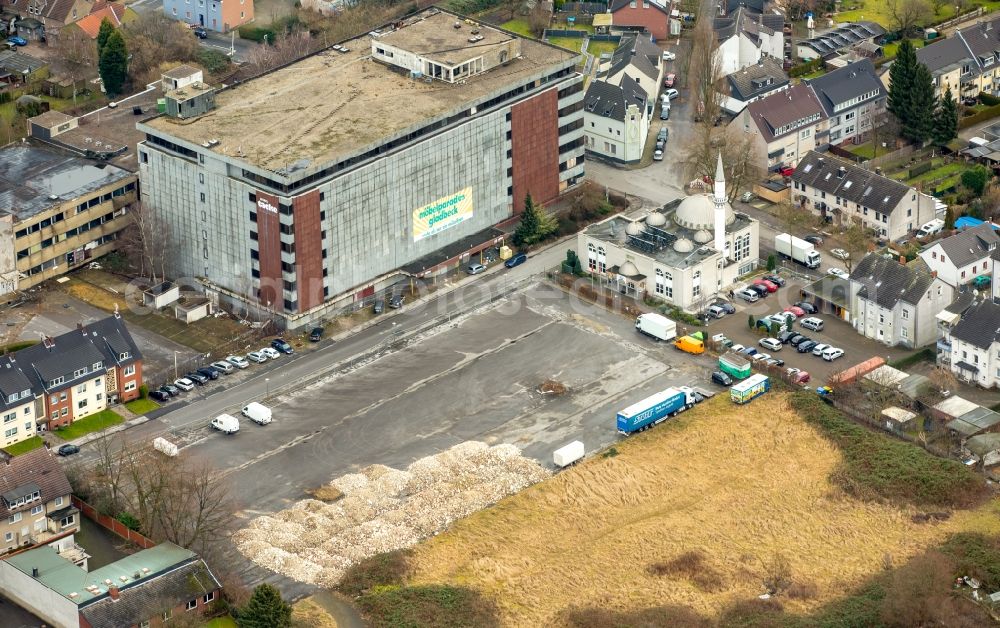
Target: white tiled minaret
<point>720,208</point>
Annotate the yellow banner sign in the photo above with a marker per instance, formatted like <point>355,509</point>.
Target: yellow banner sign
<point>442,214</point>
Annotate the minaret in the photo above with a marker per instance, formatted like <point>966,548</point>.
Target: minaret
<point>720,208</point>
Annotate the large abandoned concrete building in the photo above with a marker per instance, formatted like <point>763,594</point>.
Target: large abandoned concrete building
<point>307,188</point>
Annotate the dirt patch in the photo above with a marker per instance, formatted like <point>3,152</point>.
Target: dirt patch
<point>308,614</point>
<point>552,387</point>
<point>739,487</point>
<point>327,493</point>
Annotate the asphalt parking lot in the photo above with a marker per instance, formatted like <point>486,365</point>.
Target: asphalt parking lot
<point>835,332</point>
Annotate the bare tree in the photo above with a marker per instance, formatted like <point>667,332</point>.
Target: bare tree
<point>938,5</point>
<point>146,242</point>
<point>794,217</point>
<point>705,70</point>
<point>539,19</point>
<point>153,39</point>
<point>738,156</point>
<point>883,128</point>
<point>856,241</point>
<point>199,507</point>
<point>906,15</point>
<point>512,7</point>
<point>259,59</point>
<point>76,57</point>
<point>798,8</point>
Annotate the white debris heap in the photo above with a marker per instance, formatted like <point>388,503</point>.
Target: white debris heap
<point>384,509</point>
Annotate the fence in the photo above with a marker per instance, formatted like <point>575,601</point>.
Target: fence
<point>109,523</point>
<point>563,33</point>
<point>863,416</point>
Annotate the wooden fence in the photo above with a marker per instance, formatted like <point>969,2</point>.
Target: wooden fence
<point>109,523</point>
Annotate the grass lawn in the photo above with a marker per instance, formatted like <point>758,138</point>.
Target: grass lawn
<point>142,406</point>
<point>519,26</point>
<point>937,173</point>
<point>597,48</point>
<point>569,43</point>
<point>891,49</point>
<point>24,446</point>
<point>221,622</point>
<point>93,423</point>
<point>816,74</point>
<point>866,150</point>
<point>875,11</point>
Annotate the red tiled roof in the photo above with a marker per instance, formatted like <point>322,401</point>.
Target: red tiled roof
<point>92,23</point>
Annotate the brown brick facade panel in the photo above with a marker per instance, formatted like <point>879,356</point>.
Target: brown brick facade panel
<point>269,247</point>
<point>534,127</point>
<point>308,251</point>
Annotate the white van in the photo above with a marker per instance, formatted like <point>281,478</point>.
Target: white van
<point>258,413</point>
<point>813,323</point>
<point>226,423</point>
<point>933,227</point>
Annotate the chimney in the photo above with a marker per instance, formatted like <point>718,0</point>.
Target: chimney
<point>841,171</point>
<point>113,592</point>
<point>34,572</point>
<point>47,342</point>
<point>902,260</point>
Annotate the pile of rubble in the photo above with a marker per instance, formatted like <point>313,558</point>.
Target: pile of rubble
<point>385,509</point>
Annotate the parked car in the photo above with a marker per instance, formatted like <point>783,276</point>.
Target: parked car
<point>669,80</point>
<point>282,345</point>
<point>270,352</point>
<point>257,356</point>
<point>663,134</point>
<point>805,347</point>
<point>737,348</point>
<point>668,56</point>
<point>664,112</point>
<point>775,279</point>
<point>786,171</point>
<point>748,295</point>
<point>748,351</point>
<point>201,33</point>
<point>184,384</point>
<point>316,334</point>
<point>797,339</point>
<point>714,311</point>
<point>671,93</point>
<point>838,272</point>
<point>800,377</point>
<point>840,254</point>
<point>379,305</point>
<point>238,362</point>
<point>159,395</point>
<point>722,379</point>
<point>169,390</point>
<point>396,301</point>
<point>657,155</point>
<point>208,372</point>
<point>761,291</point>
<point>517,260</point>
<point>807,307</point>
<point>17,41</point>
<point>832,354</point>
<point>727,306</point>
<point>785,336</point>
<point>981,281</point>
<point>774,362</point>
<point>68,449</point>
<point>223,366</point>
<point>819,349</point>
<point>475,269</point>
<point>760,357</point>
<point>746,197</point>
<point>197,378</point>
<point>770,343</point>
<point>813,239</point>
<point>771,287</point>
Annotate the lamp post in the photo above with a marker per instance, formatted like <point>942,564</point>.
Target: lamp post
<point>267,387</point>
<point>175,365</point>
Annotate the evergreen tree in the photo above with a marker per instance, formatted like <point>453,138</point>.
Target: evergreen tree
<point>901,76</point>
<point>976,178</point>
<point>945,120</point>
<point>102,35</point>
<point>536,224</point>
<point>113,64</point>
<point>920,122</point>
<point>265,609</point>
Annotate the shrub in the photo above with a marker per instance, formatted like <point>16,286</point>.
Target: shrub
<point>691,566</point>
<point>753,612</point>
<point>976,555</point>
<point>924,355</point>
<point>988,99</point>
<point>679,315</point>
<point>920,169</point>
<point>390,568</point>
<point>129,521</point>
<point>213,60</point>
<point>143,391</point>
<point>979,116</point>
<point>673,616</point>
<point>805,68</point>
<point>877,466</point>
<point>427,606</point>
<point>256,33</point>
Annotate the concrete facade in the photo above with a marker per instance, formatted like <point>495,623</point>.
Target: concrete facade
<point>294,242</point>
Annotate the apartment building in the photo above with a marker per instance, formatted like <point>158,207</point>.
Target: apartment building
<point>217,15</point>
<point>747,35</point>
<point>785,126</point>
<point>967,62</point>
<point>829,186</point>
<point>57,212</point>
<point>854,100</point>
<point>973,343</point>
<point>651,15</point>
<point>960,258</point>
<point>35,504</point>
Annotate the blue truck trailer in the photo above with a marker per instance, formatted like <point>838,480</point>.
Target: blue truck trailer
<point>655,408</point>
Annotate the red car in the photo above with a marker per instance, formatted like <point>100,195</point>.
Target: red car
<point>669,81</point>
<point>771,287</point>
<point>796,310</point>
<point>786,171</point>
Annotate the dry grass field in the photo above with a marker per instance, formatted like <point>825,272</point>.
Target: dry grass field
<point>693,513</point>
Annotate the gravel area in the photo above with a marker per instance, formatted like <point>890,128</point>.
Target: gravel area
<point>385,509</point>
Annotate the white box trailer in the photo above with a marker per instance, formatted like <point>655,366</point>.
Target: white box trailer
<point>163,445</point>
<point>568,454</point>
<point>656,326</point>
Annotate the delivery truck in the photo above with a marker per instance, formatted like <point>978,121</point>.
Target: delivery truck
<point>654,409</point>
<point>568,454</point>
<point>750,388</point>
<point>656,326</point>
<point>735,365</point>
<point>793,248</point>
<point>257,412</point>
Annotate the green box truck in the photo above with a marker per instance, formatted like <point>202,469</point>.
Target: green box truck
<point>736,365</point>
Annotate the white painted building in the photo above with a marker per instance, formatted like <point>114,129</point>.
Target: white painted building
<point>960,258</point>
<point>971,340</point>
<point>746,36</point>
<point>616,120</point>
<point>896,303</point>
<point>686,255</point>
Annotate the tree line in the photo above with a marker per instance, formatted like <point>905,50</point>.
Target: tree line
<point>922,115</point>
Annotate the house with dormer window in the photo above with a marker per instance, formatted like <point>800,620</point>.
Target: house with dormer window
<point>35,505</point>
<point>960,258</point>
<point>967,62</point>
<point>785,126</point>
<point>43,19</point>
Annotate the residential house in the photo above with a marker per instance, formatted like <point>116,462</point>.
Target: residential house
<point>949,62</point>
<point>218,15</point>
<point>836,188</point>
<point>43,19</point>
<point>150,587</point>
<point>785,126</point>
<point>896,303</point>
<point>115,12</point>
<point>35,504</point>
<point>648,14</point>
<point>753,83</point>
<point>967,62</point>
<point>960,258</point>
<point>616,120</point>
<point>746,36</point>
<point>18,405</point>
<point>639,59</point>
<point>854,100</point>
<point>82,371</point>
<point>836,40</point>
<point>65,209</point>
<point>974,341</point>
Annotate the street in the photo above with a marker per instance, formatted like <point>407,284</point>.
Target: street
<point>223,42</point>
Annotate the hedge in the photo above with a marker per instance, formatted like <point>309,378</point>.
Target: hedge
<point>988,99</point>
<point>919,169</point>
<point>979,116</point>
<point>806,68</point>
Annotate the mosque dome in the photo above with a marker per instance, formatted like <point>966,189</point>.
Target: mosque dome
<point>633,228</point>
<point>656,219</point>
<point>628,269</point>
<point>702,236</point>
<point>683,245</point>
<point>698,212</point>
